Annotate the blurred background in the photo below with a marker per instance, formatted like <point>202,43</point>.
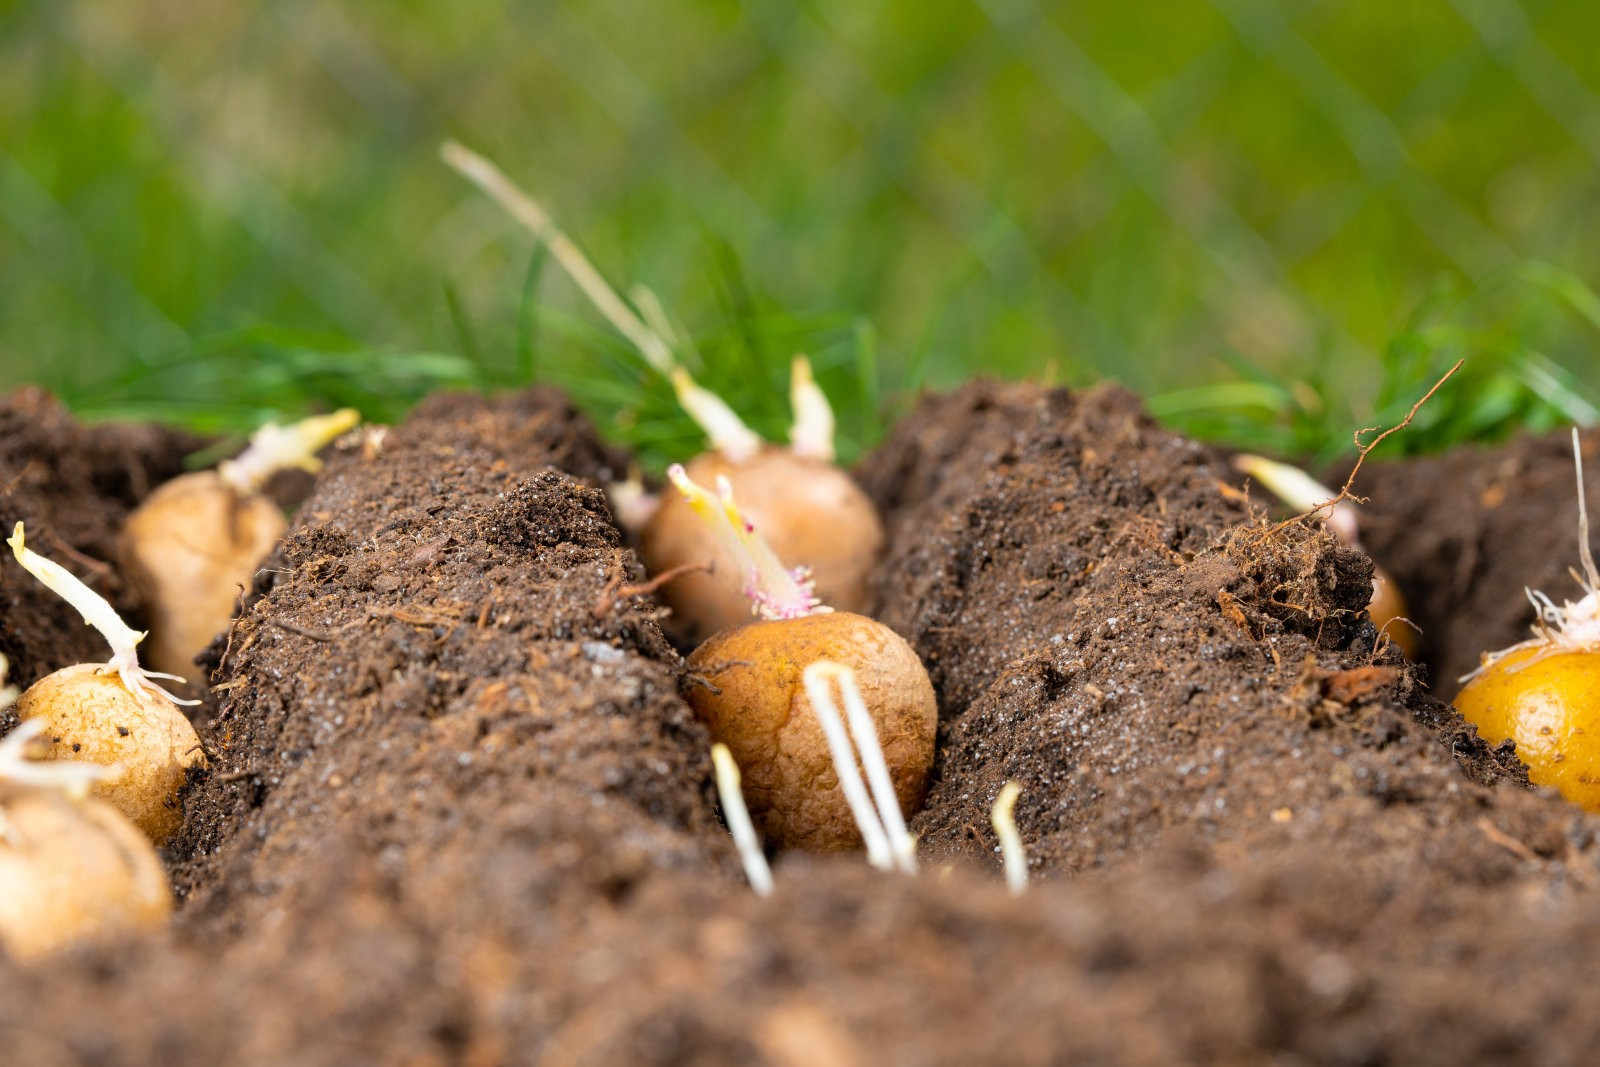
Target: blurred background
<point>1276,219</point>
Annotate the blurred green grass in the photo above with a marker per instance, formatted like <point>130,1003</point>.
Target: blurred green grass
<point>1278,220</point>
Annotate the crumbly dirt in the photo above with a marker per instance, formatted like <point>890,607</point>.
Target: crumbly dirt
<point>1466,532</point>
<point>72,486</point>
<point>1109,624</point>
<point>459,814</point>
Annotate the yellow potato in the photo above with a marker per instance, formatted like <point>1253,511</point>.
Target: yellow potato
<point>190,548</point>
<point>91,717</point>
<point>71,872</point>
<point>762,713</point>
<point>810,512</point>
<point>1547,700</point>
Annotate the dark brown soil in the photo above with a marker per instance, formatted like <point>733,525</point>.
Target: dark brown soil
<point>72,486</point>
<point>1464,533</point>
<point>458,814</point>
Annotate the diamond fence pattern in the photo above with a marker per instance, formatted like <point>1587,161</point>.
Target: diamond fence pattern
<point>1142,190</point>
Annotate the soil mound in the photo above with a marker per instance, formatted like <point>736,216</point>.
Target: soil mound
<point>458,814</point>
<point>1110,625</point>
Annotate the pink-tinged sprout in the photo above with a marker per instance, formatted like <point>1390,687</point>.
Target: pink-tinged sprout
<point>727,432</point>
<point>739,825</point>
<point>274,448</point>
<point>72,777</point>
<point>1003,818</point>
<point>1304,493</point>
<point>891,823</point>
<point>97,612</point>
<point>812,432</point>
<point>774,592</point>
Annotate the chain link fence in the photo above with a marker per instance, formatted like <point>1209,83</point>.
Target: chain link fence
<point>1162,192</point>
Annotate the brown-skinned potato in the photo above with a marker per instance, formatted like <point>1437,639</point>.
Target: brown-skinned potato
<point>760,710</point>
<point>811,513</point>
<point>1387,609</point>
<point>91,717</point>
<point>73,871</point>
<point>190,549</point>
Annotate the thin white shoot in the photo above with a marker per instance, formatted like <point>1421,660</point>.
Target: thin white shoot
<point>723,427</point>
<point>70,776</point>
<point>774,592</point>
<point>655,313</point>
<point>728,433</point>
<point>1590,574</point>
<point>812,432</point>
<point>1304,493</point>
<point>1571,625</point>
<point>8,693</point>
<point>1003,818</point>
<point>865,735</point>
<point>873,834</point>
<point>96,612</point>
<point>739,825</point>
<point>274,448</point>
<point>522,207</point>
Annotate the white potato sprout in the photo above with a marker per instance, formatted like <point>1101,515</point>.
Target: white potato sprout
<point>883,830</point>
<point>274,448</point>
<point>727,432</point>
<point>1003,818</point>
<point>739,825</point>
<point>70,776</point>
<point>97,612</point>
<point>812,432</point>
<point>1299,490</point>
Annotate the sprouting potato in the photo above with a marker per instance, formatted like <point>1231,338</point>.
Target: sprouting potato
<point>1544,694</point>
<point>809,510</point>
<point>91,716</point>
<point>762,712</point>
<point>812,512</point>
<point>72,869</point>
<point>189,549</point>
<point>113,714</point>
<point>196,541</point>
<point>756,701</point>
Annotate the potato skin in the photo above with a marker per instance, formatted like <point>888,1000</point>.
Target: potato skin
<point>1547,701</point>
<point>93,718</point>
<point>73,871</point>
<point>811,513</point>
<point>189,548</point>
<point>1388,605</point>
<point>764,717</point>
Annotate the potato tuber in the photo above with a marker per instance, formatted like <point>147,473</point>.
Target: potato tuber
<point>194,544</point>
<point>113,714</point>
<point>756,702</point>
